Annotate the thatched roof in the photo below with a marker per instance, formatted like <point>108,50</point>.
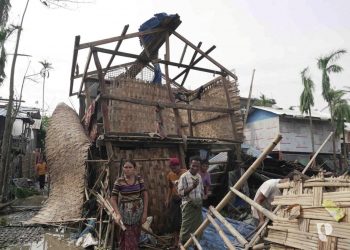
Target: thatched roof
<point>66,151</point>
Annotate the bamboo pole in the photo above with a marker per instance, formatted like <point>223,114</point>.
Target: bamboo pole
<point>249,98</point>
<point>317,152</point>
<point>229,227</point>
<point>257,206</point>
<point>257,235</point>
<point>229,196</point>
<point>107,232</point>
<point>221,233</point>
<point>196,242</point>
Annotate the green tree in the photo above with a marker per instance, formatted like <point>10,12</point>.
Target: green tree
<point>264,101</point>
<point>327,65</point>
<point>45,73</point>
<point>307,101</point>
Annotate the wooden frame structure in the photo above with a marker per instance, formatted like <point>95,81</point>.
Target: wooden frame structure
<point>118,143</point>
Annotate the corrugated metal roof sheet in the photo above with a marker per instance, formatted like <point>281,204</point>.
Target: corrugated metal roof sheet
<point>293,113</point>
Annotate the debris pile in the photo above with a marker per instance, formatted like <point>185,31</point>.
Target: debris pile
<point>313,214</point>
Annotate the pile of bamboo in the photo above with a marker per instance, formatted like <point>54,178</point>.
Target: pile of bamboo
<point>313,226</point>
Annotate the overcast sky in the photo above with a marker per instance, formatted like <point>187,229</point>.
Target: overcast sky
<point>278,38</point>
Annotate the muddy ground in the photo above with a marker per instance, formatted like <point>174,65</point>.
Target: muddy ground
<point>14,235</point>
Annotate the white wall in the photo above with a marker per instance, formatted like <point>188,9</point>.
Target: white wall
<point>261,133</point>
<point>297,137</point>
<point>17,127</point>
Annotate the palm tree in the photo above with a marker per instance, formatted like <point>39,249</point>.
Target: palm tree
<point>264,101</point>
<point>341,112</point>
<point>326,66</point>
<point>307,101</point>
<point>44,72</point>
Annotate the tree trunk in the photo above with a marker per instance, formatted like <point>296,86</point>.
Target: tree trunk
<point>6,150</point>
<point>312,133</point>
<point>333,140</point>
<point>344,148</point>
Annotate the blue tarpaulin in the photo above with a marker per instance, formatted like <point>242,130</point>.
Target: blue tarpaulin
<point>212,241</point>
<point>153,23</point>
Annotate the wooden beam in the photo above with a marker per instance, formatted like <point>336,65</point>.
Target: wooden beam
<point>118,38</point>
<point>205,55</point>
<point>230,195</point>
<point>317,152</point>
<point>188,67</point>
<point>104,108</point>
<point>113,52</point>
<point>209,119</point>
<point>94,72</point>
<point>74,62</point>
<point>194,63</point>
<point>84,77</point>
<point>126,27</point>
<point>191,62</point>
<point>167,104</point>
<point>183,54</point>
<point>229,105</point>
<point>248,102</point>
<point>172,100</point>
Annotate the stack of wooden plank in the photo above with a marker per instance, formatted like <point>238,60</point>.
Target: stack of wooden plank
<point>314,214</point>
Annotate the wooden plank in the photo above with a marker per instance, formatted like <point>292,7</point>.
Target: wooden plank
<point>118,38</point>
<point>74,62</point>
<point>166,104</point>
<point>205,55</point>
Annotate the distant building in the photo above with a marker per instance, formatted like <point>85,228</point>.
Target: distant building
<point>24,139</point>
<point>264,123</point>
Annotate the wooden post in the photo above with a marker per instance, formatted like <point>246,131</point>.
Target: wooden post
<point>221,233</point>
<point>172,99</point>
<point>229,196</point>
<point>317,152</point>
<point>248,102</point>
<point>229,227</point>
<point>74,62</point>
<point>229,105</point>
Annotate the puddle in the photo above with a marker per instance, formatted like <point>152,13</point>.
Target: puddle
<point>48,241</point>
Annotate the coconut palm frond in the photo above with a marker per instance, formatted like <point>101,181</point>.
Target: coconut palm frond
<point>334,68</point>
<point>306,97</point>
<point>335,55</point>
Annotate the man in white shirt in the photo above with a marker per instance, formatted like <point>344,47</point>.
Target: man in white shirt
<point>190,188</point>
<point>267,192</point>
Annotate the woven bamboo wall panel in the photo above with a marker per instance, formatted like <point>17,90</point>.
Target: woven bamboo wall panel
<point>315,227</point>
<point>66,151</point>
<point>134,118</point>
<point>214,96</point>
<point>154,168</point>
